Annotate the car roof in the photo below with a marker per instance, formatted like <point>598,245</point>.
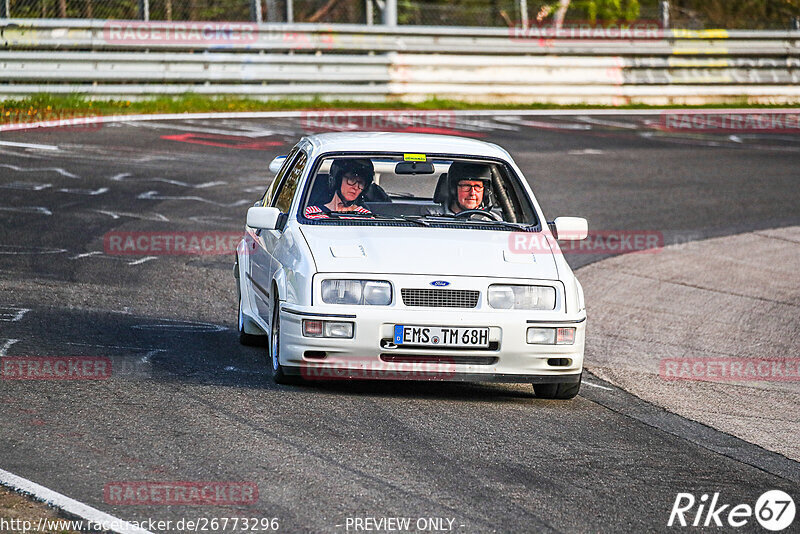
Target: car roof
<point>403,143</point>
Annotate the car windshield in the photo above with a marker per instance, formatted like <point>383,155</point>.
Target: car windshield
<point>416,189</point>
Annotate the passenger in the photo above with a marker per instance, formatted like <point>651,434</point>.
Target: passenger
<point>347,180</point>
<point>467,185</point>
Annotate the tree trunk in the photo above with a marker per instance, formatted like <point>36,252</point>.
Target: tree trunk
<point>563,5</point>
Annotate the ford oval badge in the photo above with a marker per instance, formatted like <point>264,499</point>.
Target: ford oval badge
<point>440,283</point>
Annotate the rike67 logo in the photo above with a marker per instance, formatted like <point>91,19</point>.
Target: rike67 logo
<point>774,510</point>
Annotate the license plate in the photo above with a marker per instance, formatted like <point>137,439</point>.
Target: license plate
<point>441,336</point>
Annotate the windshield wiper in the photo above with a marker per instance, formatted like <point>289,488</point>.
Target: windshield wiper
<point>448,218</point>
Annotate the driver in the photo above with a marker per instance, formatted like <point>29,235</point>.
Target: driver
<point>468,183</point>
<point>348,179</point>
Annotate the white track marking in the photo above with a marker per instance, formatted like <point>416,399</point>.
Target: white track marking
<point>113,346</point>
<point>28,209</point>
<point>10,250</point>
<point>209,219</point>
<point>153,195</point>
<point>141,261</point>
<point>123,176</point>
<point>6,346</point>
<point>71,506</point>
<point>59,170</point>
<point>146,217</point>
<point>184,127</point>
<point>29,145</point>
<point>10,314</point>
<point>597,386</point>
<point>25,186</point>
<point>86,255</point>
<point>613,124</point>
<point>89,192</point>
<point>586,152</point>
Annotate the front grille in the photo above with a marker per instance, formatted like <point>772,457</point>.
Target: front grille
<point>440,298</point>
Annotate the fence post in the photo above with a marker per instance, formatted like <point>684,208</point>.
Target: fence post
<point>289,10</point>
<point>5,9</point>
<point>144,9</point>
<point>665,14</point>
<point>390,13</point>
<point>255,11</point>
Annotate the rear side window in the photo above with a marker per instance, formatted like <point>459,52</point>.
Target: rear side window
<point>289,186</point>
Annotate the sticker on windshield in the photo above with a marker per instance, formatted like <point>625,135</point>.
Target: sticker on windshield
<point>414,157</point>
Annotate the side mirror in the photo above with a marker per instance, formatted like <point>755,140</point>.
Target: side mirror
<point>571,228</point>
<point>262,218</point>
<point>276,164</point>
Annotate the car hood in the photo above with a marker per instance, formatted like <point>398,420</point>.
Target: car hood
<point>430,251</point>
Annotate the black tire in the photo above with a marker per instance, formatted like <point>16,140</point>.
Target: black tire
<point>273,351</point>
<point>560,391</point>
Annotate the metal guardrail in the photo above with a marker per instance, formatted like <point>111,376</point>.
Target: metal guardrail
<point>131,58</point>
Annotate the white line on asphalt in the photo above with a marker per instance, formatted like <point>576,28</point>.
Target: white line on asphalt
<point>85,255</point>
<point>112,346</point>
<point>13,314</point>
<point>7,345</point>
<point>60,171</point>
<point>597,386</point>
<point>90,192</point>
<point>71,506</point>
<point>29,145</point>
<point>118,214</point>
<point>28,209</point>
<point>154,195</point>
<point>141,261</point>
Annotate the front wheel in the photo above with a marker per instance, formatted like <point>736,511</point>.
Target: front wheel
<point>560,391</point>
<point>278,372</point>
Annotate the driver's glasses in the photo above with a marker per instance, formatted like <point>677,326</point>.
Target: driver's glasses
<point>356,181</point>
<point>464,188</point>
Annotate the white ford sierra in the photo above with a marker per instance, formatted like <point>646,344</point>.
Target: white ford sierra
<point>409,256</point>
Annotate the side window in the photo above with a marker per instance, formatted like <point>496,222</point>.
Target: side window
<point>289,186</point>
<point>266,200</point>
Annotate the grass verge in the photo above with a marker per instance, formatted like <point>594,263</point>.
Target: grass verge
<point>16,510</point>
<point>51,107</point>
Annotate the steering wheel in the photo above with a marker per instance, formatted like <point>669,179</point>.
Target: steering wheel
<point>466,214</point>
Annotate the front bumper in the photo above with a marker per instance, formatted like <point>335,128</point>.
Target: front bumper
<point>371,355</point>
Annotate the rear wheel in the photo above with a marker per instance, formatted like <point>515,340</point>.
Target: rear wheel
<point>561,390</point>
<point>278,371</point>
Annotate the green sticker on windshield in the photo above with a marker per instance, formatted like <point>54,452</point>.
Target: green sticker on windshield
<point>414,157</point>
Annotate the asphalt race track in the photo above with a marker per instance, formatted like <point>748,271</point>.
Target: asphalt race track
<point>186,402</point>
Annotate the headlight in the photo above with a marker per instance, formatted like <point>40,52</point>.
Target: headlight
<point>505,297</point>
<point>371,292</point>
